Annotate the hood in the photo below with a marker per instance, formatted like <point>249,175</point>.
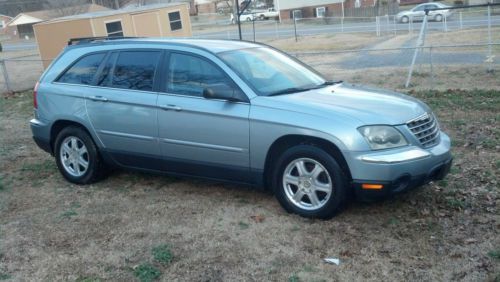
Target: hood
<point>364,104</point>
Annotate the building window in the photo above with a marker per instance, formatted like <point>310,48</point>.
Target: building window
<point>357,4</point>
<point>320,12</point>
<point>175,21</point>
<point>296,14</point>
<point>114,29</point>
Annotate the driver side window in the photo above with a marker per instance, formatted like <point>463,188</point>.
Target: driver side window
<point>190,75</point>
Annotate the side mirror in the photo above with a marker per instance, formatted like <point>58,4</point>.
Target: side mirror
<point>220,91</point>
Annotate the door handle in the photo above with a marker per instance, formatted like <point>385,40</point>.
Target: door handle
<point>171,107</point>
<point>98,98</point>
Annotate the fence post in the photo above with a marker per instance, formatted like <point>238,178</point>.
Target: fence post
<point>445,24</point>
<point>394,26</point>
<point>295,27</point>
<point>5,75</point>
<point>342,23</point>
<point>432,68</point>
<point>490,55</point>
<point>276,29</point>
<point>460,18</point>
<point>419,45</point>
<point>253,27</point>
<point>388,24</point>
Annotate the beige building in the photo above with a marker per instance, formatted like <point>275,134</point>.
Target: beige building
<point>170,20</point>
<point>24,21</point>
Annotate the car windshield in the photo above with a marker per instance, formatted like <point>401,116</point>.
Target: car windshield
<point>270,72</point>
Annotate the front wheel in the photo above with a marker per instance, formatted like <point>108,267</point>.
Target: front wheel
<point>405,19</point>
<point>77,157</point>
<point>308,181</point>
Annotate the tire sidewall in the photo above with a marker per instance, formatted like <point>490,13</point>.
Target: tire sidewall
<point>339,189</point>
<point>92,170</point>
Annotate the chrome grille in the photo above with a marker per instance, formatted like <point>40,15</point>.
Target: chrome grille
<point>426,129</point>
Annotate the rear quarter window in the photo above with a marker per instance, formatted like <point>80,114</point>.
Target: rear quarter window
<point>83,71</point>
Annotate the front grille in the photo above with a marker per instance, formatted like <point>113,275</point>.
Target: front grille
<point>426,129</point>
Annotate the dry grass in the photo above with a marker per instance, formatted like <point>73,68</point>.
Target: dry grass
<point>328,42</point>
<point>51,230</point>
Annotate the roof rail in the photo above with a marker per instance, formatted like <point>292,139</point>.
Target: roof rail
<point>80,40</point>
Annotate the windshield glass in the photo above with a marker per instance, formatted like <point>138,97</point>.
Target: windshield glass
<point>270,72</point>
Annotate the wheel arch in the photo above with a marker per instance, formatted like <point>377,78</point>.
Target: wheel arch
<point>280,145</point>
<point>59,125</point>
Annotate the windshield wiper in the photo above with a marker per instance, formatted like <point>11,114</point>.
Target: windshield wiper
<point>330,82</point>
<point>302,89</point>
<point>289,91</point>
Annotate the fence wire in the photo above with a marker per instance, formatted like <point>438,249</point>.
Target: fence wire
<point>462,51</point>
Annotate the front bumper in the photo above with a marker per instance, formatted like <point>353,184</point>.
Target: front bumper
<point>398,170</point>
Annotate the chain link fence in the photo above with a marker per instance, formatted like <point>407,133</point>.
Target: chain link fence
<point>462,51</point>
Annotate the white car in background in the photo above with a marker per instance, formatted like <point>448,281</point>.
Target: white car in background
<point>418,13</point>
<point>245,17</point>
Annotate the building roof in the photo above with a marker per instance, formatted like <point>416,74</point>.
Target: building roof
<point>44,15</point>
<point>126,10</point>
<point>296,4</point>
<point>5,16</point>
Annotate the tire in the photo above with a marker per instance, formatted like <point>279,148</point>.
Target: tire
<point>262,17</point>
<point>318,190</point>
<point>438,17</point>
<point>405,19</point>
<point>248,19</point>
<point>83,164</point>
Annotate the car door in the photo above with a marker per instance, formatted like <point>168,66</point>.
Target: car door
<point>419,13</point>
<point>198,136</point>
<point>122,107</point>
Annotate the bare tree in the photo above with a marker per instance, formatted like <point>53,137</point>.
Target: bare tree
<point>61,8</point>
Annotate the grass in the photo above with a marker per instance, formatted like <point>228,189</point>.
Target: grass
<point>193,215</point>
<point>88,279</point>
<point>494,254</point>
<point>5,276</point>
<point>243,225</point>
<point>162,254</point>
<point>146,272</point>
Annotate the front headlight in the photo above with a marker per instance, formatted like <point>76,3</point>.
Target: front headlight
<point>382,137</point>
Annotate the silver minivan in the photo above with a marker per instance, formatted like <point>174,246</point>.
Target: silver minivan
<point>233,111</point>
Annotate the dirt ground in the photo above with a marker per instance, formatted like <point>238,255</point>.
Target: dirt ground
<point>139,226</point>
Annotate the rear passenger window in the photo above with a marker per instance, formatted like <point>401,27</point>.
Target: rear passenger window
<point>83,71</point>
<point>189,75</point>
<point>133,70</point>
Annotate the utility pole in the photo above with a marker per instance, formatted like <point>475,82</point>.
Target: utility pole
<point>238,14</point>
<point>237,17</point>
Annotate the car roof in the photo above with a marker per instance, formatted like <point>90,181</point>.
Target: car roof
<point>211,45</point>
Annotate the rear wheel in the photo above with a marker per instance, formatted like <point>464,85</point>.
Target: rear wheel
<point>308,181</point>
<point>438,18</point>
<point>77,157</point>
<point>405,19</point>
